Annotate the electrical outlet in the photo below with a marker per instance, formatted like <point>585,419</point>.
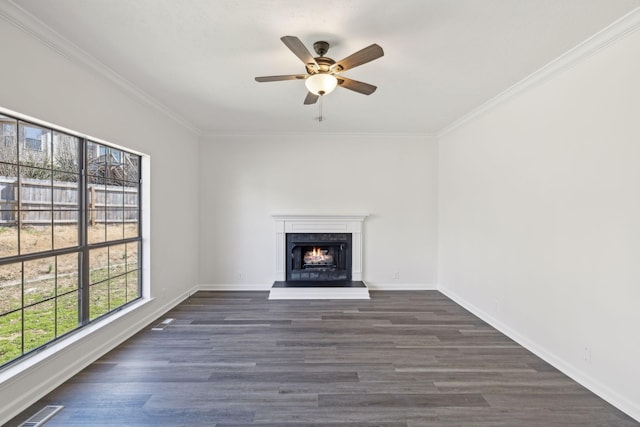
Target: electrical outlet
<point>587,355</point>
<point>396,275</point>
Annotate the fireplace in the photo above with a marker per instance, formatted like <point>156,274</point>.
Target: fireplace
<point>318,257</point>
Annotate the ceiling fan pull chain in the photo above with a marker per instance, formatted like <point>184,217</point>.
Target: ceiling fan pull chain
<point>320,118</point>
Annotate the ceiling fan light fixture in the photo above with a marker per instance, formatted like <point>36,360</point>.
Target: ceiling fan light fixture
<point>321,83</point>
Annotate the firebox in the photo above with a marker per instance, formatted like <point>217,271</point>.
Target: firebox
<point>319,256</point>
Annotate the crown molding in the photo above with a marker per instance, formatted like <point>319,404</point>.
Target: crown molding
<point>619,29</point>
<point>23,20</point>
<point>305,135</point>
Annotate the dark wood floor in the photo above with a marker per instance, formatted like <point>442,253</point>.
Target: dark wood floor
<point>400,359</point>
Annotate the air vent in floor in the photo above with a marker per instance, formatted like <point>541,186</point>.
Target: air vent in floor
<point>42,416</point>
<point>160,326</point>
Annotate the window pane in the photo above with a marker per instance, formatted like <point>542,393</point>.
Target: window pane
<point>115,226</point>
<point>117,260</point>
<point>131,167</point>
<point>39,325</point>
<point>8,235</point>
<point>65,229</point>
<point>115,157</point>
<point>9,179</point>
<point>65,152</point>
<point>10,288</point>
<point>66,194</point>
<point>8,194</point>
<point>96,190</point>
<point>35,217</point>
<point>98,300</point>
<point>67,273</point>
<point>67,313</point>
<point>132,286</point>
<point>34,145</point>
<point>39,279</point>
<point>96,156</point>
<point>98,265</point>
<point>131,228</point>
<point>117,292</point>
<point>131,199</point>
<point>132,256</point>
<point>114,197</point>
<point>8,140</point>
<point>36,237</point>
<point>97,229</point>
<point>10,336</point>
<point>35,189</point>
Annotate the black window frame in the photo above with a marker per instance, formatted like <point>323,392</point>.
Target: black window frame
<point>83,248</point>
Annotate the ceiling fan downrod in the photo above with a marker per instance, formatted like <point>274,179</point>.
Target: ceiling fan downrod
<point>320,116</point>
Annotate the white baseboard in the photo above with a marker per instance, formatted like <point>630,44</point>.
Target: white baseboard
<point>48,379</point>
<point>401,286</point>
<point>621,402</point>
<point>234,287</point>
<point>267,287</point>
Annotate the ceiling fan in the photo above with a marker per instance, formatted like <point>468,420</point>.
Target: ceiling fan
<point>323,73</point>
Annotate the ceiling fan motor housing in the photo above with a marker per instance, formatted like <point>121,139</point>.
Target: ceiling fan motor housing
<point>321,47</point>
<point>324,65</point>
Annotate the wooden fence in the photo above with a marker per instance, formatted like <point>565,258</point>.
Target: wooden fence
<point>40,199</point>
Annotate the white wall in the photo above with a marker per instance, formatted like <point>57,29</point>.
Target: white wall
<point>40,83</point>
<point>245,179</point>
<point>539,230</point>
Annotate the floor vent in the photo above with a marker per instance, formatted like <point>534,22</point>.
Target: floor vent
<point>42,416</point>
<point>160,326</point>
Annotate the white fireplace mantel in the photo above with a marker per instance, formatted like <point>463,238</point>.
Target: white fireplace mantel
<point>313,222</point>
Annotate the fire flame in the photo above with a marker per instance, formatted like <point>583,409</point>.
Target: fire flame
<point>317,256</point>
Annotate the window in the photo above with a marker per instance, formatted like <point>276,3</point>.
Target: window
<point>70,243</point>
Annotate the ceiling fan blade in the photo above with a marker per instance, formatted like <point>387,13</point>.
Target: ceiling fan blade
<point>280,78</point>
<point>363,56</point>
<point>356,86</point>
<point>311,98</point>
<point>295,45</point>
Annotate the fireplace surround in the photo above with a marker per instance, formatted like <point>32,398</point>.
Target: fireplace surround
<point>332,246</point>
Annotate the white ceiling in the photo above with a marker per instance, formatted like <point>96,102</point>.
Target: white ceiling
<point>443,58</point>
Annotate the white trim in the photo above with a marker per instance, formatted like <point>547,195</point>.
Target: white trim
<point>25,21</point>
<point>234,287</point>
<point>617,30</point>
<point>318,293</point>
<point>630,408</point>
<point>267,286</point>
<point>252,136</point>
<point>402,286</point>
<point>301,216</point>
